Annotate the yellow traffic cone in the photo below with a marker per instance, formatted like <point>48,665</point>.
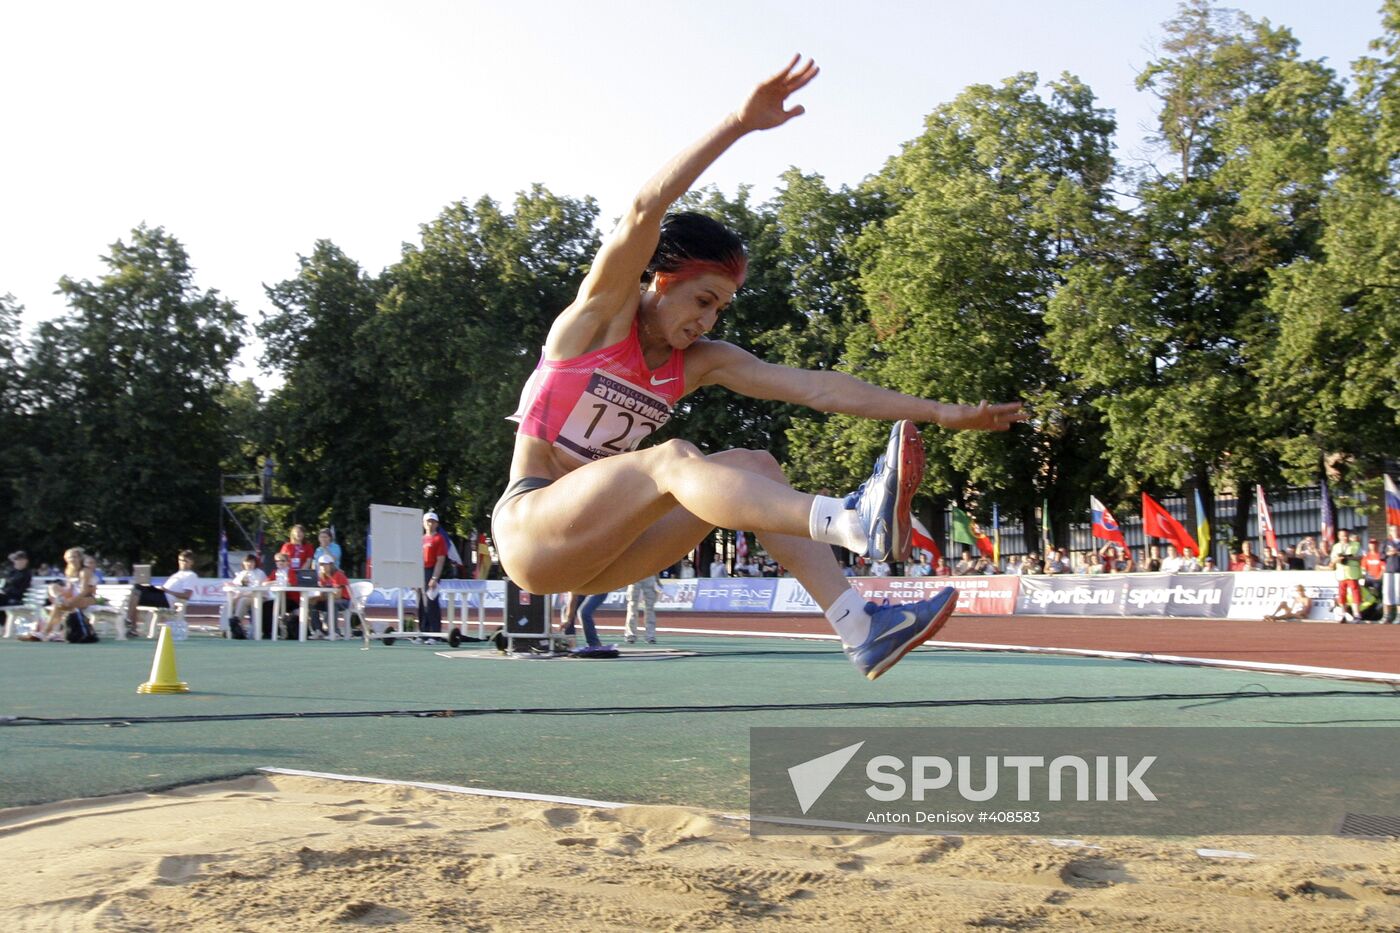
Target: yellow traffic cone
<point>163,676</point>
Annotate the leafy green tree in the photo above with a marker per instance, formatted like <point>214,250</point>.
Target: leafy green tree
<point>12,423</point>
<point>987,209</point>
<point>124,393</point>
<point>458,331</point>
<point>1332,367</point>
<point>1157,328</point>
<point>325,423</point>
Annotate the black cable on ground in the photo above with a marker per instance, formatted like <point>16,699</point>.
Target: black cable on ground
<point>673,710</point>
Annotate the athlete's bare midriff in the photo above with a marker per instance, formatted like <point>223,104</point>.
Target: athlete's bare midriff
<point>537,457</point>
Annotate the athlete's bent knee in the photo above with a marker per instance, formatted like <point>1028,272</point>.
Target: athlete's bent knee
<point>755,461</point>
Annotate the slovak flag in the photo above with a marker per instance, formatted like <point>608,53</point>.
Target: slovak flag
<point>1104,525</point>
<point>1392,502</point>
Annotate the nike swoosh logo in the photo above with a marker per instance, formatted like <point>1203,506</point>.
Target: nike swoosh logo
<point>662,382</point>
<point>828,525</point>
<point>909,621</point>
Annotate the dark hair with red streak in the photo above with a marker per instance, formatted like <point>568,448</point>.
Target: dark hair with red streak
<point>693,244</point>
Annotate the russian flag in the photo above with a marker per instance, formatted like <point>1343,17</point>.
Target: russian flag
<point>1392,502</point>
<point>1104,525</point>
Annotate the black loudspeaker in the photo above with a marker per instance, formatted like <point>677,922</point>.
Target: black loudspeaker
<point>527,614</point>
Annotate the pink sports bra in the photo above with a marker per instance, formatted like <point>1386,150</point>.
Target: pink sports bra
<point>601,403</point>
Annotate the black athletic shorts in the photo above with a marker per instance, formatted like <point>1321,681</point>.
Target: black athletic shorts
<point>517,487</point>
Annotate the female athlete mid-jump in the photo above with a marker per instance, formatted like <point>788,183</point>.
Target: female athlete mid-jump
<point>588,510</point>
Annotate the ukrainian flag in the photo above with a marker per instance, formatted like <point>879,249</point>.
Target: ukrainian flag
<point>1202,527</point>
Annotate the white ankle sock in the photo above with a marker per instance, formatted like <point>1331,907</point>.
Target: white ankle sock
<point>832,523</point>
<point>848,616</point>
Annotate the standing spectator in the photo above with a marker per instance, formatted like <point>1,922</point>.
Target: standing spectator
<point>1390,582</point>
<point>17,582</point>
<point>687,571</point>
<point>299,551</point>
<point>1057,562</point>
<point>919,567</point>
<point>434,558</point>
<point>1030,564</point>
<point>880,568</point>
<point>327,545</point>
<point>1246,559</point>
<point>177,588</point>
<point>1373,564</point>
<point>941,568</point>
<point>641,601</point>
<point>965,565</point>
<point>256,605</point>
<point>1307,552</point>
<point>1345,561</point>
<point>1172,562</point>
<point>1154,559</point>
<point>1209,565</point>
<point>331,577</point>
<point>717,568</point>
<point>1090,562</point>
<point>1190,563</point>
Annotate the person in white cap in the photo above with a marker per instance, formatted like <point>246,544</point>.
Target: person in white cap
<point>434,560</point>
<point>330,576</point>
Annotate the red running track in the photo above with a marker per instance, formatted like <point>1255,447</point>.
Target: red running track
<point>1317,644</point>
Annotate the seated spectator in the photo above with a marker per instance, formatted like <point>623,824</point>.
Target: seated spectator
<point>941,568</point>
<point>1128,562</point>
<point>17,582</point>
<point>177,588</point>
<point>1030,564</point>
<point>256,605</point>
<point>966,564</point>
<point>330,576</point>
<point>880,568</point>
<point>1058,562</point>
<point>1293,609</point>
<point>76,592</point>
<point>1090,562</point>
<point>985,567</point>
<point>283,575</point>
<point>1208,566</point>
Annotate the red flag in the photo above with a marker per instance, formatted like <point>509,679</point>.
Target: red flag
<point>1158,523</point>
<point>984,543</point>
<point>922,539</point>
<point>1266,521</point>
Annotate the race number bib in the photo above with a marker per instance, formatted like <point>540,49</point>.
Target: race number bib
<point>612,416</point>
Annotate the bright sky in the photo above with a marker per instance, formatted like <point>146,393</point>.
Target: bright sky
<point>251,130</point>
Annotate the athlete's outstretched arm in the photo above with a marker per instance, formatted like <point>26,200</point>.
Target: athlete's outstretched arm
<point>619,264</point>
<point>720,363</point>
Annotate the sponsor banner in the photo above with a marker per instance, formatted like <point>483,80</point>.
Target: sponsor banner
<point>1070,781</point>
<point>792,597</point>
<point>1259,593</point>
<point>735,594</point>
<point>1178,595</point>
<point>677,595</point>
<point>1071,596</point>
<point>1175,595</point>
<point>989,595</point>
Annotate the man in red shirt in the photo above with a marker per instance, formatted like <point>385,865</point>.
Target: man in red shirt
<point>434,559</point>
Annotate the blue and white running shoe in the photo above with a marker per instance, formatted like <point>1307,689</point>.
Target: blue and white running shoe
<point>897,630</point>
<point>882,501</point>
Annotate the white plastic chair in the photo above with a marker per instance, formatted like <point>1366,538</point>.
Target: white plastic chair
<point>359,595</point>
